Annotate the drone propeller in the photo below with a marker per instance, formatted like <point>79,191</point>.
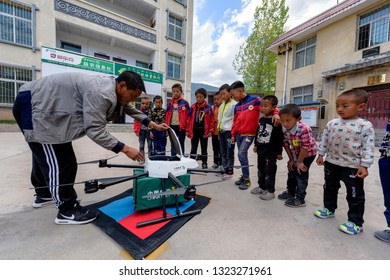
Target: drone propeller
<point>97,161</point>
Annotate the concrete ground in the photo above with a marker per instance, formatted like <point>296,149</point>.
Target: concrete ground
<point>236,225</point>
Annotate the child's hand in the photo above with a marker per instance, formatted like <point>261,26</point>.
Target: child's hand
<point>290,164</point>
<point>255,149</point>
<point>279,157</point>
<point>320,160</point>
<point>151,135</point>
<point>301,167</point>
<point>362,172</point>
<point>232,140</point>
<point>276,120</point>
<point>137,134</point>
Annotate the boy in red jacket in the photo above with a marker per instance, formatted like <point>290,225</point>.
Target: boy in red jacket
<point>176,115</point>
<point>245,123</point>
<point>200,125</point>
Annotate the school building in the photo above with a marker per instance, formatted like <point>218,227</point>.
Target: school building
<point>43,37</point>
<point>347,46</point>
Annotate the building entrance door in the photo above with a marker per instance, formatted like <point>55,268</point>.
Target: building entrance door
<point>378,108</point>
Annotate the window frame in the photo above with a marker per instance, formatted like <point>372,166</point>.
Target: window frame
<point>183,27</point>
<point>72,47</point>
<point>14,80</point>
<point>31,21</point>
<point>302,95</point>
<point>305,51</point>
<point>171,54</point>
<point>373,17</point>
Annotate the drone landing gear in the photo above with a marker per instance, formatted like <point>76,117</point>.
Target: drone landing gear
<point>189,194</point>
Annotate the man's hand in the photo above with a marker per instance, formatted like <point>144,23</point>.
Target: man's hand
<point>362,172</point>
<point>132,153</point>
<point>159,127</point>
<point>320,160</point>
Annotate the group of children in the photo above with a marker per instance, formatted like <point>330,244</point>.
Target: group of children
<point>346,149</point>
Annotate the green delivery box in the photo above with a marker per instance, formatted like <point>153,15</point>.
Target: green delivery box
<point>145,186</point>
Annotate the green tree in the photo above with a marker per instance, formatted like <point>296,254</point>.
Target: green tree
<point>253,62</point>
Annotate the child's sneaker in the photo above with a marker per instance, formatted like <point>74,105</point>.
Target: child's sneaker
<point>350,228</point>
<point>257,191</point>
<point>383,235</point>
<point>246,183</point>
<point>239,181</point>
<point>42,202</point>
<point>204,166</point>
<point>284,195</point>
<point>295,202</point>
<point>324,213</point>
<point>267,195</point>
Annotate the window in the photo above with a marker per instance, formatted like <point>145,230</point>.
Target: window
<point>305,53</point>
<point>302,94</point>
<point>183,2</point>
<point>141,64</point>
<point>100,55</point>
<point>11,79</point>
<point>70,47</point>
<point>120,60</point>
<point>16,22</point>
<point>174,67</point>
<point>374,27</point>
<point>175,27</point>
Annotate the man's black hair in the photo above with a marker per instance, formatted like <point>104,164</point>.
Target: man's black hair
<point>132,79</point>
<point>274,100</point>
<point>291,109</point>
<point>224,86</point>
<point>157,97</point>
<point>237,84</point>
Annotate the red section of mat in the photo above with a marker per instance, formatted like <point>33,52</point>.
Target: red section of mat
<point>130,222</point>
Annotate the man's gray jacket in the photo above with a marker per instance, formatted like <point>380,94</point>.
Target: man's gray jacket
<point>67,106</point>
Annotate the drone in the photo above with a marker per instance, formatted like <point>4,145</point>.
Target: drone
<point>163,168</point>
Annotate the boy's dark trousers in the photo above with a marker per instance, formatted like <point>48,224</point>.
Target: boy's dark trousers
<point>144,134</point>
<point>355,191</point>
<point>384,172</point>
<point>159,142</point>
<point>197,137</point>
<point>266,168</point>
<point>297,183</point>
<point>181,135</point>
<point>216,149</point>
<point>227,151</point>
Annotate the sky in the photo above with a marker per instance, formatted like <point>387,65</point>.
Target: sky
<point>221,26</point>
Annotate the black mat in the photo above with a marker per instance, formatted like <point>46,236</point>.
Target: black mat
<point>117,218</point>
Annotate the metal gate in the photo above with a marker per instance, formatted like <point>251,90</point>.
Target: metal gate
<point>378,107</point>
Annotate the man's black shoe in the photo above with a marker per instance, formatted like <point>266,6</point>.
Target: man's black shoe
<point>77,215</point>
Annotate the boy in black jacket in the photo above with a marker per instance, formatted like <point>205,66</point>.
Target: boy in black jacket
<point>269,147</point>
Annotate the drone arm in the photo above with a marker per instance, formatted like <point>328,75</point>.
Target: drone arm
<point>103,185</point>
<point>175,181</point>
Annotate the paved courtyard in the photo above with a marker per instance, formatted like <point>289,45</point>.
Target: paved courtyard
<point>235,225</point>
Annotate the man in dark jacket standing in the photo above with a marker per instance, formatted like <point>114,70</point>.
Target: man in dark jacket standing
<point>57,109</point>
